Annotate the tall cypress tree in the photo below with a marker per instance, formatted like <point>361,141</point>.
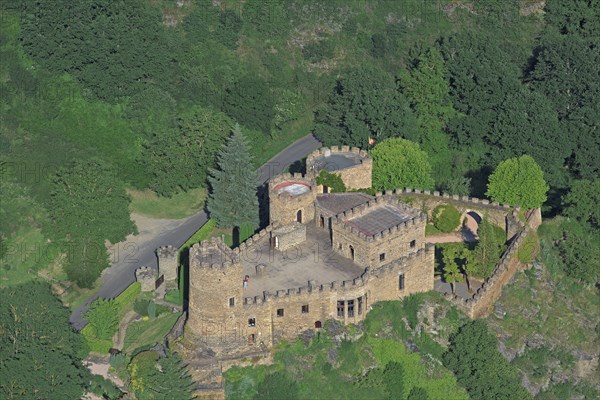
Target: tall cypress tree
<point>233,201</point>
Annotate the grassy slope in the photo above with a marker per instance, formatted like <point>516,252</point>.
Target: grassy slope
<point>142,333</point>
<point>181,205</point>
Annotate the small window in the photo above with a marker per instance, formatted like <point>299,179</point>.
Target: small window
<point>413,243</point>
<point>280,312</point>
<point>382,257</point>
<point>305,309</point>
<point>359,305</point>
<point>401,281</point>
<point>350,308</point>
<point>251,322</point>
<point>340,309</point>
<point>339,246</point>
<point>231,301</point>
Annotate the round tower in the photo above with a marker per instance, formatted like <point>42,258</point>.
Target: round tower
<point>216,289</point>
<point>354,165</point>
<point>292,199</point>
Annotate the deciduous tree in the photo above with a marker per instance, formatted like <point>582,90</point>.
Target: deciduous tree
<point>399,163</point>
<point>518,182</point>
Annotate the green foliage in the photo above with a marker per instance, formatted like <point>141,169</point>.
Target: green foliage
<point>147,333</point>
<point>179,158</point>
<point>318,51</point>
<point>399,163</point>
<point>333,181</point>
<point>89,191</point>
<point>473,357</point>
<point>141,307</point>
<point>126,297</point>
<point>451,270</point>
<point>393,379</point>
<point>488,249</point>
<point>40,353</point>
<point>529,248</point>
<point>446,218</point>
<point>364,103</point>
<point>277,386</point>
<point>175,296</point>
<point>152,310</point>
<point>418,393</point>
<point>583,201</point>
<point>250,102</point>
<point>518,182</point>
<point>233,201</point>
<point>103,318</point>
<point>87,41</point>
<point>159,378</point>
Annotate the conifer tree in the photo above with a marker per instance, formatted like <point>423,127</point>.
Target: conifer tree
<point>233,201</point>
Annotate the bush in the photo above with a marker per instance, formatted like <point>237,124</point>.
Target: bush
<point>333,181</point>
<point>141,307</point>
<point>446,218</point>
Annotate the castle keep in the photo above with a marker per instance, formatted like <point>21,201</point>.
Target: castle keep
<point>323,256</point>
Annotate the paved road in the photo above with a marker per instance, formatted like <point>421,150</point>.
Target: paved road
<point>131,255</point>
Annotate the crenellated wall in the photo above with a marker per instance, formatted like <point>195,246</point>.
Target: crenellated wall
<point>392,243</point>
<point>357,176</point>
<point>480,304</point>
<point>284,207</point>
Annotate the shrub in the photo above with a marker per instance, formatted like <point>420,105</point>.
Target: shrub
<point>152,310</point>
<point>141,307</point>
<point>332,181</point>
<point>446,218</point>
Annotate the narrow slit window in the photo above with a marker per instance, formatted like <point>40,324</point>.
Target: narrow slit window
<point>305,309</point>
<point>350,308</point>
<point>382,257</point>
<point>231,301</point>
<point>401,281</point>
<point>359,305</point>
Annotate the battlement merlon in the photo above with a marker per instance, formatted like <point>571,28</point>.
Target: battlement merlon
<point>212,253</point>
<point>166,252</point>
<point>415,216</point>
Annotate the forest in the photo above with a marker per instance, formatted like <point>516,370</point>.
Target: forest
<point>102,98</point>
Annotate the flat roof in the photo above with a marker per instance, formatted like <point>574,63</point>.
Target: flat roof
<point>313,259</point>
<point>340,202</point>
<point>293,188</point>
<point>337,161</point>
<point>379,219</point>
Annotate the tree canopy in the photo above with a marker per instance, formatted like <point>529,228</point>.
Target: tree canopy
<point>399,163</point>
<point>233,201</point>
<point>40,354</point>
<point>479,367</point>
<point>518,182</point>
<point>365,103</point>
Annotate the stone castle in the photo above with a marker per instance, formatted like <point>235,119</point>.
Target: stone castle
<point>323,256</point>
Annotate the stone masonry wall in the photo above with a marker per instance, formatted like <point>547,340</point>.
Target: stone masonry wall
<point>167,262</point>
<point>289,236</point>
<point>283,207</point>
<point>355,177</point>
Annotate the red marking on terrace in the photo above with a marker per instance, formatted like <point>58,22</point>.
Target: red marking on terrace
<point>289,183</point>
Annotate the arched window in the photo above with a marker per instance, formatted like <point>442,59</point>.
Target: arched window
<point>299,216</point>
<point>351,252</point>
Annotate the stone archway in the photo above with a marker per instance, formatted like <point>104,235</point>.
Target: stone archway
<point>471,219</point>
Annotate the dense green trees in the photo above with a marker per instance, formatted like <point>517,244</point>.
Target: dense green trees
<point>233,201</point>
<point>479,367</point>
<point>277,386</point>
<point>179,159</point>
<point>400,163</point>
<point>365,103</point>
<point>333,181</point>
<point>251,102</point>
<point>446,218</point>
<point>488,249</point>
<point>159,378</point>
<point>518,182</point>
<point>40,354</point>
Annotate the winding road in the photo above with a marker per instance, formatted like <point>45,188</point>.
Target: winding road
<point>139,250</point>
